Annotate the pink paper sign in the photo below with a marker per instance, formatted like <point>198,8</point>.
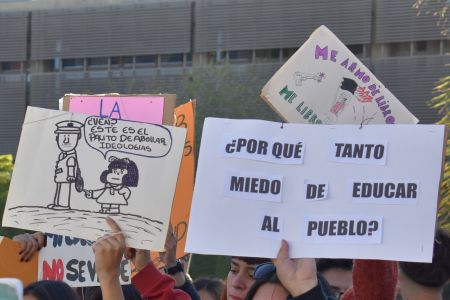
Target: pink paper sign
<point>148,109</point>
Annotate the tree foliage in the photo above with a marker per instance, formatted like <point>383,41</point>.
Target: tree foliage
<point>6,168</point>
<point>442,102</point>
<point>437,8</point>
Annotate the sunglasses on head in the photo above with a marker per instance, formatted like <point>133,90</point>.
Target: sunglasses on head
<point>264,270</point>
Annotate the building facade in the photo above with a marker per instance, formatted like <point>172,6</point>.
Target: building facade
<point>50,48</point>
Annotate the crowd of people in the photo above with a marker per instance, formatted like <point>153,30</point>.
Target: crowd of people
<point>248,277</point>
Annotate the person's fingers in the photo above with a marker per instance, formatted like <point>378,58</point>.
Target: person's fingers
<point>31,248</point>
<point>22,242</point>
<point>40,238</point>
<point>116,229</point>
<point>283,253</point>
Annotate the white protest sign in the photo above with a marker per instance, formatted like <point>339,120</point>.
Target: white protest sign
<point>78,169</point>
<point>355,209</point>
<point>72,260</point>
<point>325,83</point>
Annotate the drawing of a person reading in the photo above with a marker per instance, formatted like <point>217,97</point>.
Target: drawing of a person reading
<point>122,173</point>
<point>68,133</point>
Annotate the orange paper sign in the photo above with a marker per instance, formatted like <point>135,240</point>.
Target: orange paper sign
<point>184,117</point>
<point>11,266</point>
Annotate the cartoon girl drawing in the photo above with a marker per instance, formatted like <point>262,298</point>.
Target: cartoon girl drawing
<point>122,173</point>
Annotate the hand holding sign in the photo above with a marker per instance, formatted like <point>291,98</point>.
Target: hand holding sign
<point>297,275</point>
<point>29,244</point>
<point>108,252</point>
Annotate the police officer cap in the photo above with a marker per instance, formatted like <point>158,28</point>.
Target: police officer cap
<point>68,127</point>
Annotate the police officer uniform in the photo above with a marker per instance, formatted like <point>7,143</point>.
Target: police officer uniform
<point>67,164</point>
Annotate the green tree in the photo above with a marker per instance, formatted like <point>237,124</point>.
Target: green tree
<point>442,102</point>
<point>6,168</point>
<point>439,9</point>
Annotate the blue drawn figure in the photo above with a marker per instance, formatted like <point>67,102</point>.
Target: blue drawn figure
<point>67,171</point>
<point>121,174</point>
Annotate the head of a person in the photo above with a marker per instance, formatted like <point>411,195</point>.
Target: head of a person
<point>128,290</point>
<point>121,171</point>
<point>209,288</point>
<point>240,276</point>
<point>337,272</point>
<point>432,275</point>
<point>49,290</point>
<point>67,135</point>
<point>266,286</point>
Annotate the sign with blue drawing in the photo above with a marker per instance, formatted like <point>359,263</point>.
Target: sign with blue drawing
<point>74,170</point>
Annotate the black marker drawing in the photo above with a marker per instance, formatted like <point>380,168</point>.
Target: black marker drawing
<point>344,95</point>
<point>121,174</point>
<point>302,76</point>
<point>67,171</point>
<point>69,204</point>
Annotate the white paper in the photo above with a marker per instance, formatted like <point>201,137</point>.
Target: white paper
<point>383,191</point>
<point>72,260</point>
<point>74,170</point>
<point>316,189</point>
<point>221,225</point>
<point>325,83</point>
<point>358,152</point>
<point>253,186</point>
<point>270,226</point>
<point>275,150</point>
<point>332,229</point>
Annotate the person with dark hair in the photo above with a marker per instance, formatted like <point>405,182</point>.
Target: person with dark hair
<point>427,280</point>
<point>288,278</point>
<point>240,277</point>
<point>49,290</point>
<point>337,272</point>
<point>122,173</point>
<point>95,293</point>
<point>209,288</point>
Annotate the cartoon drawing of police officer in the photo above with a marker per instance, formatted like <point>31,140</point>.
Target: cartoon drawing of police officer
<point>68,133</point>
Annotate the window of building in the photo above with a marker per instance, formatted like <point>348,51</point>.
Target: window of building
<point>73,64</point>
<point>172,60</point>
<point>240,56</point>
<point>357,50</point>
<point>398,49</point>
<point>216,57</point>
<point>97,63</point>
<point>446,46</point>
<point>267,55</point>
<point>188,58</point>
<point>427,47</point>
<point>49,65</point>
<point>146,61</point>
<point>288,52</point>
<point>11,66</point>
<point>121,62</point>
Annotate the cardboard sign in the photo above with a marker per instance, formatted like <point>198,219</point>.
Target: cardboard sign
<point>324,83</point>
<point>72,260</point>
<point>79,169</point>
<point>148,108</point>
<point>328,208</point>
<point>184,118</point>
<point>11,266</point>
<point>132,108</point>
